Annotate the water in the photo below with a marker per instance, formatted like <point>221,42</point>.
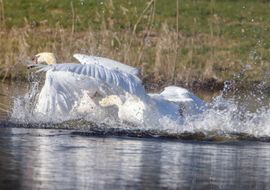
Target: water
<point>224,150</point>
<point>59,159</point>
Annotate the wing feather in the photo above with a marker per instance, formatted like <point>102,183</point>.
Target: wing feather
<point>58,94</point>
<point>107,63</point>
<point>112,78</point>
<point>192,103</point>
<point>65,83</point>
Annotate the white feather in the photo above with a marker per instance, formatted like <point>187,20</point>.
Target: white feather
<point>65,83</point>
<point>62,91</point>
<point>115,79</point>
<point>187,101</point>
<point>72,87</point>
<point>107,63</point>
<point>130,109</point>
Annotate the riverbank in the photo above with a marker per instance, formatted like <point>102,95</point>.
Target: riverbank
<point>200,44</point>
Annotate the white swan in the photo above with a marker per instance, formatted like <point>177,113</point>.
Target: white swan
<point>66,84</point>
<point>131,109</point>
<point>189,103</point>
<point>72,87</point>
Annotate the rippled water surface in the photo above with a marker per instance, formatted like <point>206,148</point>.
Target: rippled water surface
<point>59,159</point>
<point>109,157</point>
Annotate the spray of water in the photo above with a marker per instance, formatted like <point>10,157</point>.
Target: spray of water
<point>229,113</point>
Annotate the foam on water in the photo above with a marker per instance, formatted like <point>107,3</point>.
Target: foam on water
<point>225,117</point>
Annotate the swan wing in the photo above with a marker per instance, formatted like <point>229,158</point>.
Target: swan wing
<point>107,63</point>
<point>62,91</point>
<point>115,80</point>
<point>182,96</point>
<point>179,94</point>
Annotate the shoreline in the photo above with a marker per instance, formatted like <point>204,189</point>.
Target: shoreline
<point>211,85</point>
<point>204,46</point>
<point>207,85</point>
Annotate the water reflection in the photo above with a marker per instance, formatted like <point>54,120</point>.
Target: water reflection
<point>53,159</point>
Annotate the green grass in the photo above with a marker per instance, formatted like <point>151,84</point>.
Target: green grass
<point>227,17</point>
<point>217,37</point>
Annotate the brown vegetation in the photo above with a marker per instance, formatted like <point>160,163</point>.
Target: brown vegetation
<point>154,52</point>
<point>165,54</point>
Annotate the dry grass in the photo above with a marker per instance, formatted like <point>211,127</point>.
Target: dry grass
<point>164,54</point>
<point>154,52</point>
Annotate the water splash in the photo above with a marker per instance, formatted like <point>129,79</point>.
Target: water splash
<point>230,115</point>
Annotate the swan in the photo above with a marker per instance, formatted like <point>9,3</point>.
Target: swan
<point>131,110</point>
<point>96,83</point>
<point>189,103</point>
<point>66,83</point>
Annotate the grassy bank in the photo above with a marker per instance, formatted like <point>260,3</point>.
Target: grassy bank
<point>176,41</point>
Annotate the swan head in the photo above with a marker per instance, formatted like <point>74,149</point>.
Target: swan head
<point>44,58</point>
<point>110,101</point>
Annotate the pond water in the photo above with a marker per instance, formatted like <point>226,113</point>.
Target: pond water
<point>34,156</point>
<point>59,159</point>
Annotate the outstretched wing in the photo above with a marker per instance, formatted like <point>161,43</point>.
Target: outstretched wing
<point>62,91</point>
<point>65,84</point>
<point>178,94</point>
<point>107,63</point>
<point>182,96</point>
<point>115,79</point>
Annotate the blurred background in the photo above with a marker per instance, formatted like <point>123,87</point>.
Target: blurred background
<point>186,42</point>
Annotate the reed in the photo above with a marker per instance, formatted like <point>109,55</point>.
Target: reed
<point>155,52</point>
<point>2,14</point>
<point>4,108</point>
<point>176,41</point>
<point>180,48</point>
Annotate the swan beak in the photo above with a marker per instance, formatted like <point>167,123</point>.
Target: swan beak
<point>30,64</point>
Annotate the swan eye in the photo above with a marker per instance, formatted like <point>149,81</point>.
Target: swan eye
<point>35,59</point>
